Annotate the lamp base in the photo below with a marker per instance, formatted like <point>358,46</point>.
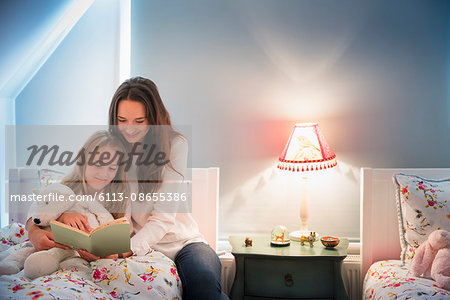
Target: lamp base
<point>296,235</point>
<point>280,244</point>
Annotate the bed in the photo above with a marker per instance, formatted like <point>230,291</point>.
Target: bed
<point>99,280</point>
<point>386,276</point>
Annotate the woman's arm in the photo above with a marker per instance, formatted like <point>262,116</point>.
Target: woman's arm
<point>162,218</point>
<point>40,238</point>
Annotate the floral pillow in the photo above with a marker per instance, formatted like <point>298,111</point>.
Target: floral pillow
<point>423,207</point>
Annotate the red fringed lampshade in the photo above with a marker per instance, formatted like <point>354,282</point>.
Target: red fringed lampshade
<point>306,150</point>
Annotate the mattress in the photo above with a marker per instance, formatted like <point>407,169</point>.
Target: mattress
<point>388,280</point>
<point>152,276</point>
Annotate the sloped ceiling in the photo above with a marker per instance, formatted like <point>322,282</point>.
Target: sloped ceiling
<point>27,30</point>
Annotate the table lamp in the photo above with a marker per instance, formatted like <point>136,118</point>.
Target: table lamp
<point>306,151</point>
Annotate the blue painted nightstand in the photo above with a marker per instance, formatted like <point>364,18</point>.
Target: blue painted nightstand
<point>293,272</point>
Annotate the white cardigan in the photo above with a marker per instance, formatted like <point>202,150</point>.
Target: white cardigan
<point>153,226</point>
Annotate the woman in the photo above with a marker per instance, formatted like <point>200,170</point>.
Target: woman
<point>135,107</point>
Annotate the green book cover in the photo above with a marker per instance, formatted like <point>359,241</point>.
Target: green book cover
<point>110,238</point>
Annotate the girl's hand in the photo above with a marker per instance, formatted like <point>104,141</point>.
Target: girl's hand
<point>76,220</point>
<point>91,257</point>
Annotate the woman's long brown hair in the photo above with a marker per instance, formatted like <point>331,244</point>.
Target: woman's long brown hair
<point>145,91</point>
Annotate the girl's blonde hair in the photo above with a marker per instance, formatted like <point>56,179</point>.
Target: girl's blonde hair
<point>76,180</point>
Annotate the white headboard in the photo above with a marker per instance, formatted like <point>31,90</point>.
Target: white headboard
<point>205,196</point>
<point>379,223</point>
<point>205,202</point>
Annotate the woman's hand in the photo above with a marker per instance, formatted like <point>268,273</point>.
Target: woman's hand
<point>76,220</point>
<point>91,257</point>
<point>127,254</point>
<point>42,239</point>
<point>87,255</point>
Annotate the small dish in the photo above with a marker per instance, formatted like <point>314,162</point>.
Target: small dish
<point>330,241</point>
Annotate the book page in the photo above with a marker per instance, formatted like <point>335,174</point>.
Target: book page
<point>110,238</point>
<point>122,220</point>
<point>67,227</point>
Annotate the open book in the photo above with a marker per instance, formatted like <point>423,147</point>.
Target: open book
<point>110,238</point>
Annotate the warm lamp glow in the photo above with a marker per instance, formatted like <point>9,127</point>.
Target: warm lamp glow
<point>306,150</point>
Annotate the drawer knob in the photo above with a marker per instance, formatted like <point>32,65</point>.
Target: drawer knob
<point>288,281</point>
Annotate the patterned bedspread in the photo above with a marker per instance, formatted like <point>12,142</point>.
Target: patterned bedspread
<point>388,280</point>
<point>153,276</point>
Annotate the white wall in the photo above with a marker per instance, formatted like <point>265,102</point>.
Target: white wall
<point>373,74</point>
<point>75,85</point>
<point>23,24</point>
<point>77,82</point>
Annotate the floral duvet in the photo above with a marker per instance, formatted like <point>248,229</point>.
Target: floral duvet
<point>388,280</point>
<point>152,276</point>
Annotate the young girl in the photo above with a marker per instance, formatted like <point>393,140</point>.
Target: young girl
<point>132,278</point>
<point>90,176</point>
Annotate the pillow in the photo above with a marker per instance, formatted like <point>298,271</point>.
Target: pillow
<point>423,206</point>
<point>47,177</point>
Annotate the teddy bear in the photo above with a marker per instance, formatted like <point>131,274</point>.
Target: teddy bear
<point>432,259</point>
<point>40,263</point>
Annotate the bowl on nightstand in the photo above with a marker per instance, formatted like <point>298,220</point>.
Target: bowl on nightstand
<point>330,241</point>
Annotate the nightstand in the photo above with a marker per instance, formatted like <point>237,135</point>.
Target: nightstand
<point>293,272</point>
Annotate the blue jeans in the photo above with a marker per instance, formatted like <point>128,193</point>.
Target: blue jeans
<point>199,269</point>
